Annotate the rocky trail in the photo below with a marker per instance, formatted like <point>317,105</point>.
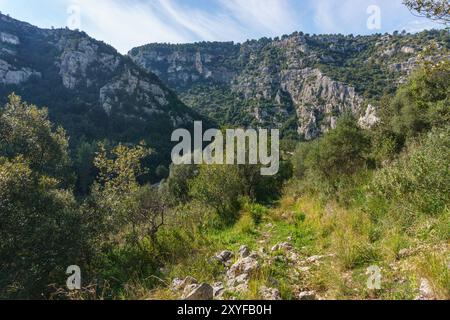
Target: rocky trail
<point>250,273</point>
<point>245,265</point>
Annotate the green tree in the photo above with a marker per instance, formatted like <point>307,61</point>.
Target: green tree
<point>218,186</point>
<point>85,170</point>
<point>114,193</point>
<point>342,151</point>
<point>26,131</point>
<point>176,186</point>
<point>423,102</point>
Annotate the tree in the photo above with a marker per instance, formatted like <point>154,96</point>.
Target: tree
<point>162,172</point>
<point>26,131</point>
<point>422,103</point>
<point>218,186</point>
<point>342,151</point>
<point>114,195</point>
<point>85,170</point>
<point>176,186</point>
<point>41,224</point>
<point>151,208</point>
<point>438,10</point>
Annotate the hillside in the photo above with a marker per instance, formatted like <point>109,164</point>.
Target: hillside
<point>91,90</point>
<point>301,83</point>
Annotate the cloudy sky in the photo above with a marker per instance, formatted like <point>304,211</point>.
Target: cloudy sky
<point>129,23</point>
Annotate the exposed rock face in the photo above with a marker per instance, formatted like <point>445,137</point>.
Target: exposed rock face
<point>9,38</point>
<point>267,91</point>
<point>370,118</point>
<point>12,76</point>
<point>189,65</point>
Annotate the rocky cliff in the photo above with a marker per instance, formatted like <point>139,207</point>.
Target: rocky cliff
<point>299,83</point>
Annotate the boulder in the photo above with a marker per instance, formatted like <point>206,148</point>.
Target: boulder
<point>244,251</point>
<point>243,266</point>
<point>426,291</point>
<point>180,285</point>
<point>218,289</point>
<point>269,294</point>
<point>224,256</point>
<point>200,292</point>
<point>282,246</point>
<point>307,295</point>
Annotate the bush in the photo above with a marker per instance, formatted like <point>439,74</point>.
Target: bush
<point>327,163</point>
<point>419,181</point>
<point>422,103</point>
<point>219,187</point>
<point>257,212</point>
<point>41,234</point>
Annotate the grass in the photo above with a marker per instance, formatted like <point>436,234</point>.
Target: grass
<point>352,235</point>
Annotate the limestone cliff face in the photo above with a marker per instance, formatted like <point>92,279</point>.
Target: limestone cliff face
<point>9,74</point>
<point>188,65</point>
<point>271,90</point>
<point>301,79</point>
<point>89,88</point>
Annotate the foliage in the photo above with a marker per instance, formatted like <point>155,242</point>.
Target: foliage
<point>26,131</point>
<point>418,182</point>
<point>340,153</point>
<point>218,186</point>
<point>41,234</point>
<point>438,10</point>
<point>423,102</point>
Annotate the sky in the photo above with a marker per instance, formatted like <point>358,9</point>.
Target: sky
<point>129,23</point>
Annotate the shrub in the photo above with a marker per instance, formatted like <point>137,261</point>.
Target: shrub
<point>220,187</point>
<point>257,212</point>
<point>419,181</point>
<point>42,231</point>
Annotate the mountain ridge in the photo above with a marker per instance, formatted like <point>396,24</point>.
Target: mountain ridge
<point>300,83</point>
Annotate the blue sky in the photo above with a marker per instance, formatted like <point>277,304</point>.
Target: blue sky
<point>129,23</point>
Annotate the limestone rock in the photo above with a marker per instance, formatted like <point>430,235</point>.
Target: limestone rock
<point>218,290</point>
<point>180,285</point>
<point>244,251</point>
<point>286,246</point>
<point>270,294</point>
<point>224,256</point>
<point>200,292</point>
<point>426,291</point>
<point>370,118</point>
<point>307,295</point>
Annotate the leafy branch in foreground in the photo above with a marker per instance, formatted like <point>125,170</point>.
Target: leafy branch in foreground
<point>438,10</point>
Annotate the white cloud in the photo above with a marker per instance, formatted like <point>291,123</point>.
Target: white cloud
<point>127,24</point>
